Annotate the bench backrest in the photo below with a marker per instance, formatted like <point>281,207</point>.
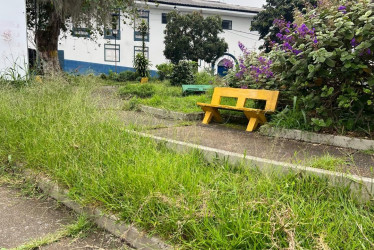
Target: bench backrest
<point>271,97</point>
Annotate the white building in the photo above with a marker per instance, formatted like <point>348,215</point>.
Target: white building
<point>116,50</point>
<point>13,40</point>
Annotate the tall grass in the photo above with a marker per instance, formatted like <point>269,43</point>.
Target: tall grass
<point>55,128</point>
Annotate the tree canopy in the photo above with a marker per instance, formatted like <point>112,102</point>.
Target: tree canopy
<point>193,37</point>
<point>276,9</point>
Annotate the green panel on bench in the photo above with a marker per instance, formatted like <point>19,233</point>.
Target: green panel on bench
<point>186,89</point>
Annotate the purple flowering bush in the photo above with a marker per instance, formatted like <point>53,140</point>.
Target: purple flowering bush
<point>325,59</point>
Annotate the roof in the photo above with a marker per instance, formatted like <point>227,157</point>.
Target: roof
<point>209,4</point>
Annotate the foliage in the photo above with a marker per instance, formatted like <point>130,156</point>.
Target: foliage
<point>164,70</point>
<point>183,73</point>
<point>204,77</point>
<point>141,64</point>
<point>326,59</point>
<point>138,90</point>
<point>193,37</point>
<point>127,75</point>
<point>276,9</point>
<point>56,129</point>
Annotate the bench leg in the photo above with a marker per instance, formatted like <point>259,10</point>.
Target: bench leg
<point>211,113</point>
<point>252,125</point>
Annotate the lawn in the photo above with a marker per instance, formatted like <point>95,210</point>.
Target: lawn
<point>163,95</point>
<point>54,128</point>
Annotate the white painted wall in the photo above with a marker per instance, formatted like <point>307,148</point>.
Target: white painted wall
<point>87,50</point>
<point>13,40</point>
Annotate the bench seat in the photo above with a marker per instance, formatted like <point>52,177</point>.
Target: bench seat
<point>255,116</point>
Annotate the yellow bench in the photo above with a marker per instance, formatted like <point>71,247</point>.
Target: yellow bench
<point>255,116</point>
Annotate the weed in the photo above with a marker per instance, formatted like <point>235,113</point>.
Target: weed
<point>327,162</point>
<point>78,229</point>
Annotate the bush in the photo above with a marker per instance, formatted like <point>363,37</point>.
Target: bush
<point>204,77</point>
<point>164,70</point>
<point>183,73</point>
<point>141,65</point>
<point>327,64</point>
<point>138,90</point>
<point>112,76</point>
<point>125,76</point>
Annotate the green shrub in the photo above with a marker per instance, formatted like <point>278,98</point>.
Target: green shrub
<point>204,78</point>
<point>138,90</point>
<point>183,73</point>
<point>327,64</point>
<point>126,76</point>
<point>164,70</point>
<point>141,65</point>
<point>113,75</point>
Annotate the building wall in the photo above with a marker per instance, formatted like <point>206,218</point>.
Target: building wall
<point>82,54</point>
<point>13,40</point>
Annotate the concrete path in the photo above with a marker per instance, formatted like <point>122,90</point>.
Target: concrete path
<point>254,144</point>
<point>23,219</point>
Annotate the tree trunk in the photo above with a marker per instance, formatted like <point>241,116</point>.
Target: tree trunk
<point>46,37</point>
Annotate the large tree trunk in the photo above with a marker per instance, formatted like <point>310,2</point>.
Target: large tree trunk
<point>46,37</point>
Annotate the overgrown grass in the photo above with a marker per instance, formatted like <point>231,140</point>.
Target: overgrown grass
<point>327,162</point>
<point>163,95</point>
<point>55,129</point>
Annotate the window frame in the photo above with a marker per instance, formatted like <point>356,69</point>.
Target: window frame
<point>137,35</point>
<point>80,29</point>
<point>139,50</point>
<point>108,33</point>
<point>116,48</point>
<point>229,23</point>
<point>164,18</point>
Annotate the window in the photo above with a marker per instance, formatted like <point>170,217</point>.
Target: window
<point>227,24</point>
<point>114,32</point>
<point>81,32</point>
<point>111,52</point>
<point>142,15</point>
<point>164,18</point>
<point>138,49</point>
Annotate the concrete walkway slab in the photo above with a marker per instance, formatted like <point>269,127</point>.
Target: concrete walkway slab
<point>23,219</point>
<point>254,144</point>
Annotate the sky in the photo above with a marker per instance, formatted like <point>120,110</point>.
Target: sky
<point>251,3</point>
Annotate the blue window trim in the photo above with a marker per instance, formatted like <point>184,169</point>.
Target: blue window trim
<point>79,29</point>
<point>116,47</point>
<point>139,49</point>
<point>137,35</point>
<point>108,33</point>
<point>229,24</point>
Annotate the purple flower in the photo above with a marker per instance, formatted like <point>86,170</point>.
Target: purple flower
<point>244,87</point>
<point>343,9</point>
<point>354,42</point>
<point>315,41</point>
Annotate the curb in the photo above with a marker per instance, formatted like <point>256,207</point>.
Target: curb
<point>173,115</point>
<point>131,235</point>
<point>361,187</point>
<point>332,140</point>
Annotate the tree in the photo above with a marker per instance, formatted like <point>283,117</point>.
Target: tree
<point>193,37</point>
<point>49,17</point>
<point>276,9</point>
